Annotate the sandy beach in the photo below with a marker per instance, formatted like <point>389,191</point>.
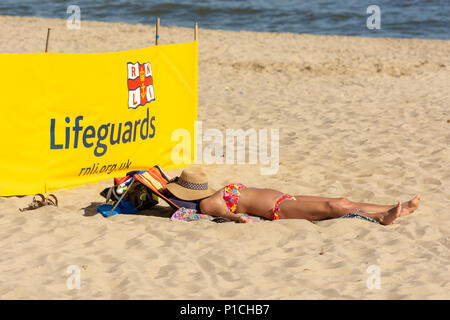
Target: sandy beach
<point>362,118</point>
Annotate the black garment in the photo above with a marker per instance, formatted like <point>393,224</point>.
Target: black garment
<point>187,204</point>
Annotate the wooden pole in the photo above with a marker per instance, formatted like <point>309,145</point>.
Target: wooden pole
<point>46,43</point>
<point>157,32</point>
<point>196,31</point>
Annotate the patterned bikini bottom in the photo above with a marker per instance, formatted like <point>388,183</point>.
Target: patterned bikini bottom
<point>275,208</point>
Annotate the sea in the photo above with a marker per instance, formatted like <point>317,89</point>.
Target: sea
<point>428,19</point>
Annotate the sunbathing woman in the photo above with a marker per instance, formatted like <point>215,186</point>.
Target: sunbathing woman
<point>271,204</point>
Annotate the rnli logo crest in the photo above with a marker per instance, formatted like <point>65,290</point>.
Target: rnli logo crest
<point>140,84</point>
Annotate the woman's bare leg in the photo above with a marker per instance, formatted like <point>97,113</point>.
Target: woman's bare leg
<point>310,210</point>
<point>322,210</point>
<point>408,207</point>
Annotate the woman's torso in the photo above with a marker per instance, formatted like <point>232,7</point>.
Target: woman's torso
<point>258,202</point>
<point>254,201</point>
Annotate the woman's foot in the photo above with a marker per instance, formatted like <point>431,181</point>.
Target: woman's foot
<point>410,206</point>
<point>384,218</point>
<point>389,216</point>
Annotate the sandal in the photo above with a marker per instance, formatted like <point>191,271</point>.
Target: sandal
<point>37,203</point>
<point>51,200</point>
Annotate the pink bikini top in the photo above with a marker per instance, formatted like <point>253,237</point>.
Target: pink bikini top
<point>231,194</point>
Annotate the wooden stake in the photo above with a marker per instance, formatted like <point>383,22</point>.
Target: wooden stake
<point>46,43</point>
<point>196,31</point>
<point>157,32</point>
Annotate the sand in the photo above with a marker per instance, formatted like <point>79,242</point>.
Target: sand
<point>361,118</point>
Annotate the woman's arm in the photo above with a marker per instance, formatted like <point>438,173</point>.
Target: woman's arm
<point>213,207</point>
<point>232,217</point>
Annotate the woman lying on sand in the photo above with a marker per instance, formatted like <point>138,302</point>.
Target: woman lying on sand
<point>192,186</point>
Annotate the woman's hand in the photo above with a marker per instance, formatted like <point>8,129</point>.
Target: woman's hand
<point>242,219</point>
<point>216,207</point>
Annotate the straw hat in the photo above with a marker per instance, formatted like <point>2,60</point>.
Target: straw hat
<point>192,184</point>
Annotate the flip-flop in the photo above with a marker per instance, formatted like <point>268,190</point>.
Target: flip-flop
<point>51,200</point>
<point>36,203</point>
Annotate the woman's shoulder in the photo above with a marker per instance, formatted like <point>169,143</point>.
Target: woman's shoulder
<point>211,203</point>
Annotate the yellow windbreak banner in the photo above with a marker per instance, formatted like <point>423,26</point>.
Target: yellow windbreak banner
<point>72,119</point>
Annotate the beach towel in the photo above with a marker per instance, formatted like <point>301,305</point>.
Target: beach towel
<point>124,207</point>
<point>185,214</point>
<point>359,216</point>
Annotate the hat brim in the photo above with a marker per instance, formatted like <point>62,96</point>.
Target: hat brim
<point>188,194</point>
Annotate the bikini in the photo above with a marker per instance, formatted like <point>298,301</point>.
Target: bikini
<point>232,192</point>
